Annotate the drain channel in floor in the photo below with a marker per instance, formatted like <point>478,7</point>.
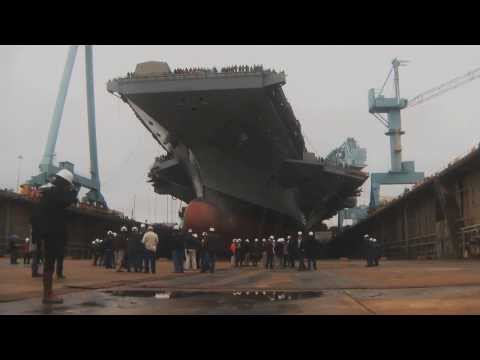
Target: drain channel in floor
<point>247,295</point>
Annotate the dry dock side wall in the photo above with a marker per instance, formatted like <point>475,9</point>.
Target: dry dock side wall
<point>439,218</point>
<point>84,225</point>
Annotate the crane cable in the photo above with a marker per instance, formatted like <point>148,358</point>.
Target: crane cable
<point>385,82</point>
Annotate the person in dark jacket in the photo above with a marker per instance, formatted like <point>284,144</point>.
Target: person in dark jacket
<point>95,246</point>
<point>301,251</point>
<point>108,250</point>
<point>139,251</point>
<point>55,198</point>
<point>376,252</point>
<point>132,249</point>
<point>212,237</point>
<point>208,260</point>
<point>120,247</point>
<point>191,247</point>
<point>310,251</point>
<point>36,243</point>
<point>292,251</point>
<point>285,251</point>
<point>257,252</point>
<point>269,250</point>
<point>178,251</point>
<point>143,254</point>
<point>240,252</point>
<point>368,250</point>
<point>13,249</point>
<point>198,254</point>
<point>278,250</point>
<point>27,251</point>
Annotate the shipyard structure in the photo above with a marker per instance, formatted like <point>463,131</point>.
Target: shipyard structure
<point>235,152</point>
<point>438,218</point>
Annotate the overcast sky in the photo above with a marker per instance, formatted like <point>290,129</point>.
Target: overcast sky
<point>326,85</point>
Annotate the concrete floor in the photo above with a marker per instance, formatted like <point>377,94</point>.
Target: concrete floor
<point>344,287</point>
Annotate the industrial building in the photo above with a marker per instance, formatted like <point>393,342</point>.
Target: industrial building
<point>438,218</point>
<point>85,223</point>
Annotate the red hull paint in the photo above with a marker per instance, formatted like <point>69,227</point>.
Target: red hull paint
<point>200,215</point>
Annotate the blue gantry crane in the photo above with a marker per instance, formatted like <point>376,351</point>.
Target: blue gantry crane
<point>47,167</point>
<point>402,172</point>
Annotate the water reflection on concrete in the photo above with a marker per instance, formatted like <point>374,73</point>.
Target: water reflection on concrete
<point>233,296</point>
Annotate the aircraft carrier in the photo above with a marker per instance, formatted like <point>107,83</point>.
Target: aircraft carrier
<point>235,152</point>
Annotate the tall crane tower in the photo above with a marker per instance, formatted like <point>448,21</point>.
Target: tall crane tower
<point>47,168</point>
<point>402,172</point>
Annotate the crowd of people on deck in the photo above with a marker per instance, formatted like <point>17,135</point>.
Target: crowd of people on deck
<point>213,70</point>
<point>226,69</point>
<point>242,68</point>
<point>194,70</point>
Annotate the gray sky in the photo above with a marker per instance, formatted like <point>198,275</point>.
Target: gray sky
<point>326,86</point>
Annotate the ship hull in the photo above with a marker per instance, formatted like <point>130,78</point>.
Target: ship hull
<point>234,150</point>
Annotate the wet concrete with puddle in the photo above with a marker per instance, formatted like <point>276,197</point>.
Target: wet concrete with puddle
<point>337,288</point>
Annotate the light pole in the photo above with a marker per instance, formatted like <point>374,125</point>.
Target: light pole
<point>19,168</point>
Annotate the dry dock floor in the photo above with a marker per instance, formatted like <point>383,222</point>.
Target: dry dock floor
<point>337,287</point>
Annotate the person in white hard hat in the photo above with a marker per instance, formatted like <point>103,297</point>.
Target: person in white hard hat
<point>269,251</point>
<point>239,252</point>
<point>95,251</point>
<point>27,251</point>
<point>301,251</point>
<point>233,250</point>
<point>178,250</point>
<point>285,251</point>
<point>375,252</point>
<point>208,256</point>
<point>264,252</point>
<point>247,252</point>
<point>256,252</point>
<point>132,260</point>
<point>108,250</point>
<point>279,248</point>
<point>191,245</point>
<point>292,251</point>
<point>143,255</point>
<point>51,224</point>
<point>368,250</point>
<point>310,248</point>
<point>120,246</point>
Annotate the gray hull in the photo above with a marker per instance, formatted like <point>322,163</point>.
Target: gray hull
<point>235,142</point>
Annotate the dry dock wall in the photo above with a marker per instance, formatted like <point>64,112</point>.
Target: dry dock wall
<point>84,225</point>
<point>438,218</point>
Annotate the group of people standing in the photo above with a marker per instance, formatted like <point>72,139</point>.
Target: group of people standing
<point>29,250</point>
<point>133,250</point>
<point>193,252</point>
<point>284,252</point>
<point>372,250</point>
